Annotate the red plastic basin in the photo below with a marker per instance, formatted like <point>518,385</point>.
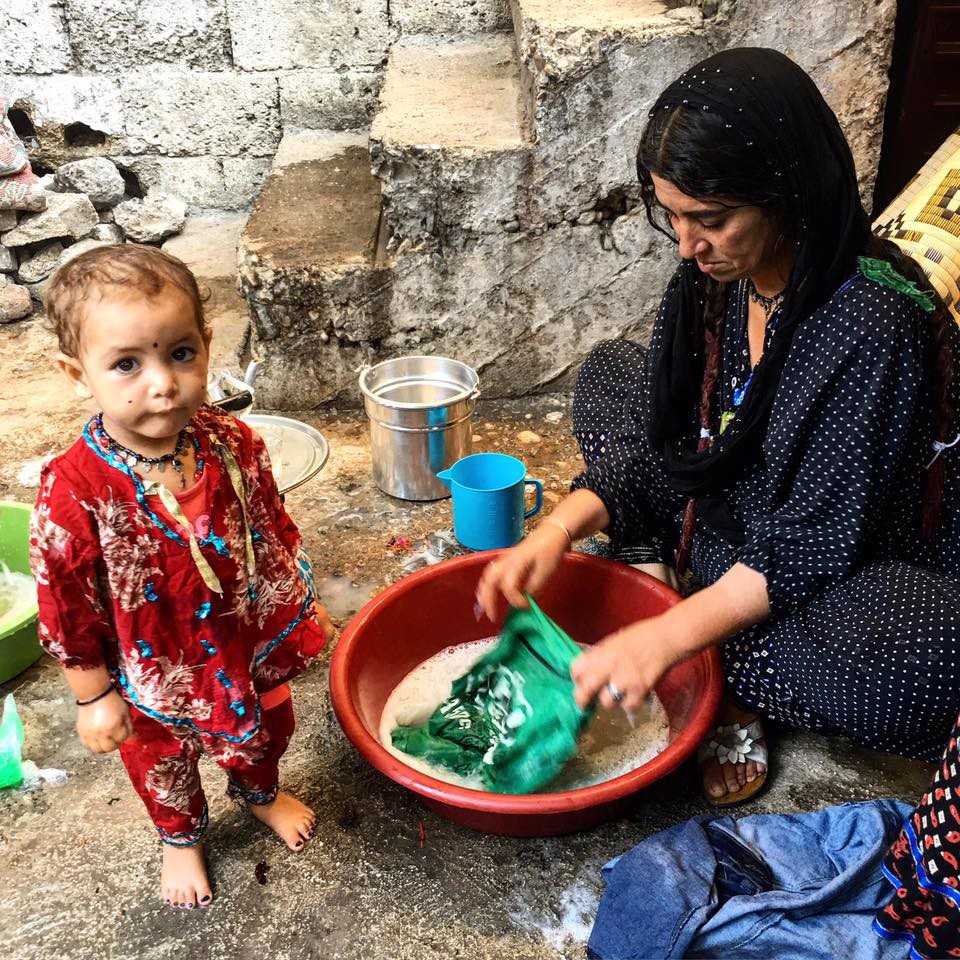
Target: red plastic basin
<point>433,608</point>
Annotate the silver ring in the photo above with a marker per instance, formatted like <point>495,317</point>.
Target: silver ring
<point>616,694</point>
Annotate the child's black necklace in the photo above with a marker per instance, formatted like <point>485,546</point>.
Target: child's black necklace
<point>132,458</point>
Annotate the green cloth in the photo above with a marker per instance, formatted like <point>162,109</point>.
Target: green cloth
<point>512,719</point>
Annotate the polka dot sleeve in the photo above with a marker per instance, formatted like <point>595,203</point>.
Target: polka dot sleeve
<point>842,422</point>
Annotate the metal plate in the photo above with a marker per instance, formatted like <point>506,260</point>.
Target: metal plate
<point>297,451</point>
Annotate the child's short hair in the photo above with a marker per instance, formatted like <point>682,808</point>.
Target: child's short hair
<point>136,268</point>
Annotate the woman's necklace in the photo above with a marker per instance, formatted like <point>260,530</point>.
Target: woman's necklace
<point>132,458</point>
<point>767,304</point>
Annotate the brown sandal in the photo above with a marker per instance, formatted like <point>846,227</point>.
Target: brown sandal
<point>735,743</point>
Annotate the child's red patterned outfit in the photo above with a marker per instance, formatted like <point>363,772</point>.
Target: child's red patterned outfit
<point>194,617</point>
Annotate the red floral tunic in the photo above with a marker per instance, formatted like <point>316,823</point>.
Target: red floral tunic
<point>192,629</point>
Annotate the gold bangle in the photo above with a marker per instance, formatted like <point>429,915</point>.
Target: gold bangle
<point>563,527</point>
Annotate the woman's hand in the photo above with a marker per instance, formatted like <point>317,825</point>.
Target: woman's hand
<point>633,660</point>
<point>323,618</point>
<point>104,724</point>
<point>523,569</point>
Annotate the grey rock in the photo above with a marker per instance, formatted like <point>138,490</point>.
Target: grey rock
<point>8,220</point>
<point>83,246</point>
<point>178,112</point>
<point>111,36</point>
<point>223,183</point>
<point>151,219</point>
<point>33,38</point>
<point>107,233</point>
<point>97,177</point>
<point>444,16</point>
<point>49,182</point>
<point>328,99</point>
<point>67,215</point>
<point>37,290</point>
<point>8,260</point>
<point>106,216</point>
<point>285,34</point>
<point>41,264</point>
<point>15,302</point>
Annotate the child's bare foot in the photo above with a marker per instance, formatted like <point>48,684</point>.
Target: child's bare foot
<point>291,820</point>
<point>183,877</point>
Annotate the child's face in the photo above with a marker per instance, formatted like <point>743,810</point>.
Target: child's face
<point>145,362</point>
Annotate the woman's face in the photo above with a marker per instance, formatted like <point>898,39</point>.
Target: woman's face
<point>728,243</point>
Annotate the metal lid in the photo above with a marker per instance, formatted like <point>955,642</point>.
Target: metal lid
<point>297,451</point>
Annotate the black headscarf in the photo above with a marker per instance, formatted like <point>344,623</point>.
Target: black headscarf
<point>771,103</point>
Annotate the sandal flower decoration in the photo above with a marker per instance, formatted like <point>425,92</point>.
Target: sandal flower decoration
<point>731,744</point>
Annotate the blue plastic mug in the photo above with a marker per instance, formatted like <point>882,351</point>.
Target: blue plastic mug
<point>489,500</point>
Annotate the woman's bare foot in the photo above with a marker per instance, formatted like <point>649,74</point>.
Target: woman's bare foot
<point>183,877</point>
<point>721,779</point>
<point>291,820</point>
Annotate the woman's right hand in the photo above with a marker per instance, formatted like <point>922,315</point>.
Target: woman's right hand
<point>104,724</point>
<point>522,569</point>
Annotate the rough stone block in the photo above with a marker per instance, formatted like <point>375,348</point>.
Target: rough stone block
<point>114,35</point>
<point>8,260</point>
<point>223,183</point>
<point>310,267</point>
<point>15,302</point>
<point>284,34</point>
<point>97,177</point>
<point>67,215</point>
<point>591,70</point>
<point>41,264</point>
<point>33,38</point>
<point>447,143</point>
<point>151,219</point>
<point>8,220</point>
<point>74,117</point>
<point>450,16</point>
<point>188,113</point>
<point>328,99</point>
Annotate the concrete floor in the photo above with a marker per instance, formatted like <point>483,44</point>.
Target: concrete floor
<point>80,862</point>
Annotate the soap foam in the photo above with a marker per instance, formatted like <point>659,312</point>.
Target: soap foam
<point>613,743</point>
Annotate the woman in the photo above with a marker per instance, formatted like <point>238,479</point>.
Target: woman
<point>785,435</point>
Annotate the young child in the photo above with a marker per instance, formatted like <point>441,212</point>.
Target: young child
<point>171,585</point>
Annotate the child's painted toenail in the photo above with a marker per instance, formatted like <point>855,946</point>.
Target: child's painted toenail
<point>205,899</point>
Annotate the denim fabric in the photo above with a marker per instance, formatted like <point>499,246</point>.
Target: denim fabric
<point>798,887</point>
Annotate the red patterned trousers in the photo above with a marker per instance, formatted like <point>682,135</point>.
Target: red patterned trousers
<point>162,764</point>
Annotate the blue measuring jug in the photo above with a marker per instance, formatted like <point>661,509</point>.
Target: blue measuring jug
<point>489,499</point>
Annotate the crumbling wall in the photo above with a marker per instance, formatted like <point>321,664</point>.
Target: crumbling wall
<point>192,96</point>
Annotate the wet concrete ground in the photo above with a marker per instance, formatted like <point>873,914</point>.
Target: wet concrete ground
<point>80,862</point>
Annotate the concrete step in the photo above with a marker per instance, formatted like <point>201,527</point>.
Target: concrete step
<point>312,267</point>
<point>590,69</point>
<point>448,142</point>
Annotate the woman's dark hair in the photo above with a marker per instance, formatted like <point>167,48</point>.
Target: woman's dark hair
<point>706,158</point>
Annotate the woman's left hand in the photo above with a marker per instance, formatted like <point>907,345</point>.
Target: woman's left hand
<point>632,660</point>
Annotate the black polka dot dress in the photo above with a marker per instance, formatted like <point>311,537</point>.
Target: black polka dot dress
<point>864,633</point>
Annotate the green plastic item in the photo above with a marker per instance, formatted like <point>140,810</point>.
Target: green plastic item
<point>512,719</point>
<point>19,645</point>
<point>11,743</point>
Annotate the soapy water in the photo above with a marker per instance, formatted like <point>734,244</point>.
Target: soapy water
<point>613,743</point>
<point>18,595</point>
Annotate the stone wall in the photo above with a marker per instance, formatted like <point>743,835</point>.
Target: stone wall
<point>192,96</point>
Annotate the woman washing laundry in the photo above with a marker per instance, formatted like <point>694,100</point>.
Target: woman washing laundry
<point>788,436</point>
<point>791,437</point>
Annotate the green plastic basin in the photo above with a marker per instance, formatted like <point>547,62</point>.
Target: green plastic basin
<point>19,646</point>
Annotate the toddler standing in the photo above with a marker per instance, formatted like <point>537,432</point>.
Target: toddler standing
<point>171,585</point>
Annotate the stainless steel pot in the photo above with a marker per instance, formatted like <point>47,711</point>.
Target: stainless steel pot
<point>420,411</point>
